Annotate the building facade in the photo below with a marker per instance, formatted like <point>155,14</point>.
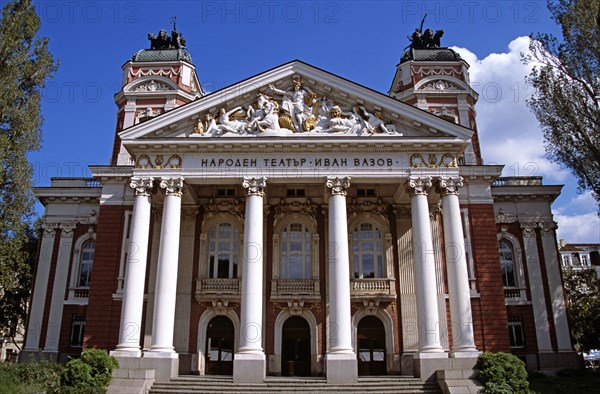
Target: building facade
<point>297,223</point>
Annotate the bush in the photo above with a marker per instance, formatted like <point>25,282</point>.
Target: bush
<point>502,373</point>
<point>91,373</point>
<point>30,377</point>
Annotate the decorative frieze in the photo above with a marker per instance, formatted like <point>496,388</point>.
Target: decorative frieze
<point>445,160</point>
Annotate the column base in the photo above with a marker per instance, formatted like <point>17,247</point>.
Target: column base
<point>249,368</point>
<point>165,368</point>
<point>425,365</point>
<point>341,368</point>
<point>125,353</point>
<point>160,354</point>
<point>465,354</point>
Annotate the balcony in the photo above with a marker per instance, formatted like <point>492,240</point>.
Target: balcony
<point>515,295</point>
<point>284,289</point>
<point>381,288</point>
<point>222,288</point>
<point>78,296</point>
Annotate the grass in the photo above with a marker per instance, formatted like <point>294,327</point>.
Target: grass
<point>571,382</point>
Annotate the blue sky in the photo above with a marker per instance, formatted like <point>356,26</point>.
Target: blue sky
<point>358,40</point>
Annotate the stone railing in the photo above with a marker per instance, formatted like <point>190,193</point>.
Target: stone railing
<point>518,181</point>
<point>515,294</point>
<point>218,286</point>
<point>295,286</point>
<point>373,286</point>
<point>78,295</point>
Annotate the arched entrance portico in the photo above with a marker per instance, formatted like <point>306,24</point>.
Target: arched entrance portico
<point>371,348</point>
<point>295,355</point>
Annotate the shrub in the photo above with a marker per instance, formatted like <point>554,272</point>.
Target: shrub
<point>30,377</point>
<point>502,373</point>
<point>91,373</point>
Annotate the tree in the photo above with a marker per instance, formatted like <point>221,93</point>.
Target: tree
<point>583,300</point>
<point>566,82</point>
<point>25,65</point>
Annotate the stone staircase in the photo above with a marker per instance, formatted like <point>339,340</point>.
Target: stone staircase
<point>224,384</point>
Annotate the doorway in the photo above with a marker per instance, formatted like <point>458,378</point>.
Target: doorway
<point>219,346</point>
<point>295,347</point>
<point>371,347</point>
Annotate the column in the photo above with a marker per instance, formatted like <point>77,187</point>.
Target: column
<point>135,271</point>
<point>538,301</point>
<point>341,360</point>
<point>59,288</point>
<point>36,312</point>
<point>463,343</point>
<point>559,313</point>
<point>165,293</point>
<point>425,280</point>
<point>249,364</point>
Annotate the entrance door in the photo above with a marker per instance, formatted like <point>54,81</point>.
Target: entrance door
<point>295,347</point>
<point>219,346</point>
<point>371,346</point>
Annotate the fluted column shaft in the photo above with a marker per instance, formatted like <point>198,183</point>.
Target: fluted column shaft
<point>135,276</point>
<point>166,276</point>
<point>340,324</point>
<point>425,280</point>
<point>456,266</point>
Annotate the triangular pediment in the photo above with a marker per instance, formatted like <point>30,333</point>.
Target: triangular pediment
<point>291,101</point>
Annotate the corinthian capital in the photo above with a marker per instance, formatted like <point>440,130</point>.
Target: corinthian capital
<point>338,185</point>
<point>67,229</point>
<point>172,186</point>
<point>141,186</point>
<point>255,186</point>
<point>448,185</point>
<point>419,185</point>
<point>528,229</point>
<point>49,229</point>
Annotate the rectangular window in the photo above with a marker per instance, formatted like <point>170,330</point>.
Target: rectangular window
<point>77,331</point>
<point>222,192</point>
<point>366,192</point>
<point>515,331</point>
<point>295,193</point>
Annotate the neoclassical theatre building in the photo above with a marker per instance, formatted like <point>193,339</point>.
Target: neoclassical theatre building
<point>297,223</point>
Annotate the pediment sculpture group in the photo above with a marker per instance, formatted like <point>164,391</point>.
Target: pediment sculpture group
<point>298,110</point>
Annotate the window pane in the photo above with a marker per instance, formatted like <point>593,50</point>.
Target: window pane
<point>368,268</point>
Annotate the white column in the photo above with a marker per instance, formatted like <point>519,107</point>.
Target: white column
<point>249,363</point>
<point>561,325</point>
<point>463,343</point>
<point>425,280</point>
<point>341,359</point>
<point>135,271</point>
<point>59,287</point>
<point>538,301</point>
<point>165,292</point>
<point>36,312</point>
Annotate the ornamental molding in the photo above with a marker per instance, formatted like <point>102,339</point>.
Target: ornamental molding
<point>67,230</point>
<point>189,211</point>
<point>528,229</point>
<point>418,186</point>
<point>296,307</point>
<point>255,186</point>
<point>158,162</point>
<point>49,229</point>
<point>449,185</point>
<point>504,218</point>
<point>402,211</point>
<point>445,160</point>
<point>547,228</point>
<point>152,86</point>
<point>172,186</point>
<point>220,307</point>
<point>368,208</point>
<point>141,186</point>
<point>440,85</point>
<point>234,208</point>
<point>295,209</point>
<point>425,71</point>
<point>160,72</point>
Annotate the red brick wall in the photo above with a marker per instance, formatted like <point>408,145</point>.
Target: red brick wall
<point>492,311</point>
<point>103,317</point>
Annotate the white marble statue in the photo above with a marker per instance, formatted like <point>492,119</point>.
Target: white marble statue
<point>294,102</point>
<point>374,121</point>
<point>338,124</point>
<point>231,126</point>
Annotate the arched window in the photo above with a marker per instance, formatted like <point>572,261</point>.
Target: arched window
<point>367,251</point>
<point>507,264</point>
<point>86,262</point>
<point>223,251</point>
<point>295,252</point>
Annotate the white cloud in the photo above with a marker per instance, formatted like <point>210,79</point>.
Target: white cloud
<point>584,228</point>
<point>509,133</point>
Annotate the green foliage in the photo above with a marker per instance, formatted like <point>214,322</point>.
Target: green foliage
<point>89,374</point>
<point>30,377</point>
<point>25,65</point>
<point>583,299</point>
<point>566,82</point>
<point>502,373</point>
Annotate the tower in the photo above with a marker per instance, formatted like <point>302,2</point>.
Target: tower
<point>155,81</point>
<point>436,80</point>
